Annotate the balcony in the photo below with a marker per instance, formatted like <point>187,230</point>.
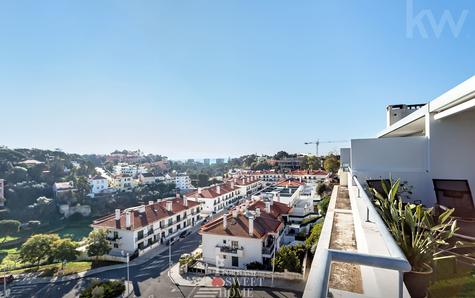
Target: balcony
<point>268,250</point>
<point>356,254</point>
<point>230,250</point>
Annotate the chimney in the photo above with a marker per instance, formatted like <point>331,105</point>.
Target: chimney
<point>185,201</point>
<point>225,221</point>
<point>128,219</point>
<point>258,212</point>
<point>169,206</point>
<point>142,209</point>
<point>248,179</point>
<point>232,184</point>
<point>267,207</point>
<point>117,214</point>
<point>177,195</point>
<point>150,202</point>
<point>251,226</point>
<point>243,180</point>
<point>235,213</point>
<point>218,189</point>
<point>278,197</point>
<point>199,190</point>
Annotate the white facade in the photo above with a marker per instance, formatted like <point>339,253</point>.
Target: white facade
<point>98,184</point>
<point>123,182</point>
<point>183,182</point>
<point>215,198</point>
<point>129,170</point>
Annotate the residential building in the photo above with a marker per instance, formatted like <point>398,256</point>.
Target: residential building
<point>2,194</point>
<point>183,182</point>
<point>422,145</point>
<point>148,178</point>
<point>123,182</point>
<point>219,161</point>
<point>138,229</point>
<point>289,163</point>
<point>130,170</point>
<point>216,197</point>
<point>269,175</point>
<point>98,184</point>
<point>247,185</point>
<point>308,175</point>
<point>206,161</point>
<point>250,233</point>
<point>63,188</point>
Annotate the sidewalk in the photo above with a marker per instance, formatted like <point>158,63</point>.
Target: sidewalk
<point>31,279</point>
<point>195,280</point>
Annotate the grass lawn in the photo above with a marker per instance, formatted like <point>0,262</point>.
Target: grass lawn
<point>452,280</point>
<point>53,269</point>
<point>76,232</point>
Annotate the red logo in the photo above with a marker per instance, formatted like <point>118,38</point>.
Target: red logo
<point>217,282</point>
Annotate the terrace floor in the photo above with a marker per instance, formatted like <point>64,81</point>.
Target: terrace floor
<point>344,276</point>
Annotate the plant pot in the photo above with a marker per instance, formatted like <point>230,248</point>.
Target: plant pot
<point>417,282</point>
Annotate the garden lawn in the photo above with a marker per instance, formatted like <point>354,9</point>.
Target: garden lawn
<point>53,269</point>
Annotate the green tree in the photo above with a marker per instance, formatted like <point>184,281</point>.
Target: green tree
<point>97,244</point>
<point>8,228</point>
<point>83,186</point>
<point>65,250</point>
<point>331,163</point>
<point>281,155</point>
<point>38,248</point>
<point>289,258</point>
<point>323,205</point>
<point>314,236</point>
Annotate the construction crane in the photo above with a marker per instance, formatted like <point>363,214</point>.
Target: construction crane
<point>318,142</point>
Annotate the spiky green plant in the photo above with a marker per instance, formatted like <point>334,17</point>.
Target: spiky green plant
<point>415,229</point>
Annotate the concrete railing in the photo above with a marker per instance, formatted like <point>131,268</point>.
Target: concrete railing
<point>318,279</point>
<point>255,273</point>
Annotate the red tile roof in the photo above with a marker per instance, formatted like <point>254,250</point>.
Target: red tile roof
<point>309,172</point>
<point>289,183</point>
<point>153,213</point>
<point>239,226</point>
<point>212,191</point>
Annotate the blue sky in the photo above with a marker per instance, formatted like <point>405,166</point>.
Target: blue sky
<point>218,78</point>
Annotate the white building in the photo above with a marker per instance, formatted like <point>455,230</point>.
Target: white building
<point>183,182</point>
<point>247,185</point>
<point>60,188</point>
<point>148,178</point>
<point>248,234</point>
<point>215,198</point>
<point>308,175</point>
<point>129,170</point>
<point>141,228</point>
<point>422,145</point>
<point>98,184</point>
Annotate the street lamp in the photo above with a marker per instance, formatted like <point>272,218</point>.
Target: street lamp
<point>273,263</point>
<point>170,253</point>
<point>128,276</point>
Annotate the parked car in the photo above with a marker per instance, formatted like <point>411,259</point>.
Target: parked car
<point>7,278</point>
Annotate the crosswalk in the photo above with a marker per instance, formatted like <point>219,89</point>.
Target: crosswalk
<point>20,291</point>
<point>207,293</point>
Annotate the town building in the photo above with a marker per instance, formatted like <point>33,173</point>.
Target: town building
<point>139,229</point>
<point>129,170</point>
<point>63,188</point>
<point>308,175</point>
<point>98,184</point>
<point>183,182</point>
<point>148,178</point>
<point>123,182</point>
<point>249,233</point>
<point>247,184</point>
<point>216,197</point>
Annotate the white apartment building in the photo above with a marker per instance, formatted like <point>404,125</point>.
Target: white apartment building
<point>129,170</point>
<point>60,188</point>
<point>216,197</point>
<point>138,229</point>
<point>422,145</point>
<point>98,184</point>
<point>247,185</point>
<point>248,234</point>
<point>269,175</point>
<point>308,175</point>
<point>183,182</point>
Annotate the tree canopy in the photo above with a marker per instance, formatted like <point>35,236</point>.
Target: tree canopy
<point>97,243</point>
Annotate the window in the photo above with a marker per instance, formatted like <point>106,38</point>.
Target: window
<point>224,241</point>
<point>234,244</point>
<point>116,245</point>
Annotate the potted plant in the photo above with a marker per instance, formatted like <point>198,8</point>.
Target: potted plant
<point>418,232</point>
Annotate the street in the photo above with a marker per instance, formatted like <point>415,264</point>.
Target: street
<point>149,280</point>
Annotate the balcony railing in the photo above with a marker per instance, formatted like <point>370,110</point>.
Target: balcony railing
<point>321,268</point>
<point>229,249</point>
<point>268,250</point>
